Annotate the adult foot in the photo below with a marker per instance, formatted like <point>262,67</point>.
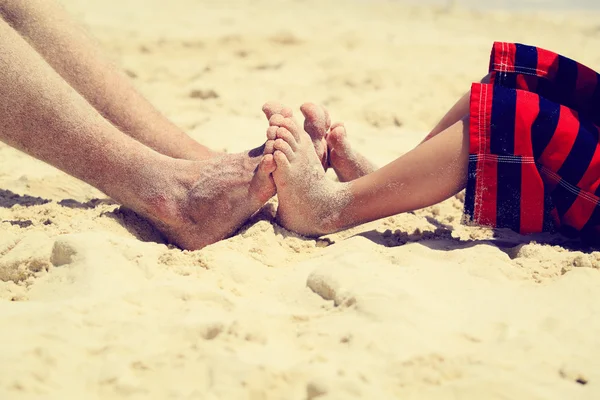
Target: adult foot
<point>206,201</point>
<point>309,203</point>
<point>347,164</point>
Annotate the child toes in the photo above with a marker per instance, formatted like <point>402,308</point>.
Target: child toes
<point>272,107</point>
<point>283,167</point>
<point>337,137</point>
<point>286,135</point>
<point>316,120</point>
<point>283,147</point>
<point>269,147</point>
<point>287,123</point>
<point>272,132</point>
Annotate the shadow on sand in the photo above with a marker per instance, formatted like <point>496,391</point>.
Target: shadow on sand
<point>9,199</point>
<point>135,224</point>
<point>504,239</point>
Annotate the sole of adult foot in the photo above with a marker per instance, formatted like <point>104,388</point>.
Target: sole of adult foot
<point>209,200</point>
<point>309,203</point>
<point>347,164</point>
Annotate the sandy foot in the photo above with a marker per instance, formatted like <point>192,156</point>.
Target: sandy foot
<point>330,141</point>
<point>221,193</point>
<point>214,198</point>
<point>316,124</point>
<point>347,164</point>
<point>309,203</point>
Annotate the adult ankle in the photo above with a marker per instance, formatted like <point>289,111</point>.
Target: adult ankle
<point>165,198</point>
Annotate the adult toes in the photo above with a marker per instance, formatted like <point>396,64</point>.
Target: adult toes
<point>267,165</point>
<point>263,185</point>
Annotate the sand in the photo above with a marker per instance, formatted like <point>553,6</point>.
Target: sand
<point>93,306</point>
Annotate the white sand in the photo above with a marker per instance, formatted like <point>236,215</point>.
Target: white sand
<point>414,306</point>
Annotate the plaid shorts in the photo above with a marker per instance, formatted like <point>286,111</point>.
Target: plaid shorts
<point>534,159</point>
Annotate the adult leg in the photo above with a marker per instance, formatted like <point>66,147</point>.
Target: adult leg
<point>68,48</point>
<point>311,204</point>
<point>195,203</point>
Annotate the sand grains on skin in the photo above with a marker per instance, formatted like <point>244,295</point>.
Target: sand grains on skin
<point>226,191</point>
<point>331,142</point>
<point>309,203</point>
<point>345,161</point>
<point>412,306</point>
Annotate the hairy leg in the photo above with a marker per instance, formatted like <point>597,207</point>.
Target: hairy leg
<point>310,204</point>
<point>194,203</point>
<point>67,47</point>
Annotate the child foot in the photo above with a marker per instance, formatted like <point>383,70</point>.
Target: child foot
<point>347,164</point>
<point>316,124</point>
<point>309,203</point>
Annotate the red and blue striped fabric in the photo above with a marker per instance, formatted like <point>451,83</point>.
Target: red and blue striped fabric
<point>534,162</point>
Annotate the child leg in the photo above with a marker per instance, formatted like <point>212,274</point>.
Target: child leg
<point>427,175</point>
<point>456,113</point>
<point>312,205</point>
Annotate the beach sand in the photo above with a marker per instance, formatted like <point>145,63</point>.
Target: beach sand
<point>415,306</point>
